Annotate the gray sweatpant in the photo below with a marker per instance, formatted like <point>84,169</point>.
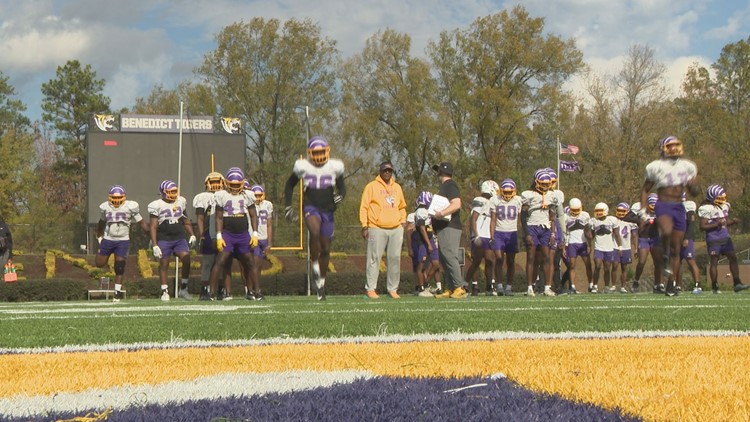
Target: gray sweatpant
<point>449,243</point>
<point>388,241</point>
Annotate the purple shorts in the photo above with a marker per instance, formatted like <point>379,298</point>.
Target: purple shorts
<point>715,249</point>
<point>262,247</point>
<point>626,257</point>
<point>577,249</point>
<point>117,247</point>
<point>484,245</point>
<point>675,210</point>
<point>647,242</point>
<point>506,242</point>
<point>539,235</point>
<point>208,246</point>
<point>172,247</point>
<point>325,217</point>
<point>419,250</point>
<point>688,252</point>
<point>609,256</point>
<point>236,243</point>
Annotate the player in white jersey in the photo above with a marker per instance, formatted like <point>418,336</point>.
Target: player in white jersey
<point>205,208</point>
<point>422,246</point>
<point>481,239</point>
<point>236,232</point>
<point>714,215</point>
<point>113,232</point>
<point>505,210</point>
<point>687,252</point>
<point>168,228</point>
<point>576,240</point>
<point>628,242</point>
<point>670,175</point>
<point>607,243</point>
<point>264,211</point>
<point>556,249</point>
<point>323,184</point>
<point>538,216</point>
<point>648,240</point>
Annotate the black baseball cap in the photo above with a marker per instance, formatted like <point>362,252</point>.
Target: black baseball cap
<point>386,165</point>
<point>444,168</point>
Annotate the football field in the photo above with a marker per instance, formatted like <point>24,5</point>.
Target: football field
<point>581,357</point>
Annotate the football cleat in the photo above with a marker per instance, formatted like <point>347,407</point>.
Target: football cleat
<point>184,294</point>
<point>205,295</point>
<point>548,291</point>
<point>250,295</point>
<point>259,296</point>
<point>508,290</point>
<point>530,292</point>
<point>740,287</point>
<point>165,296</point>
<point>697,290</point>
<point>117,297</point>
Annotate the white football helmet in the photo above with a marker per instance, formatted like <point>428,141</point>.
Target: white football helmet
<point>601,210</point>
<point>575,207</point>
<point>490,187</point>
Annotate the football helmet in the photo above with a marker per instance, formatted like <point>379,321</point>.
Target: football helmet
<point>601,210</point>
<point>508,189</point>
<point>235,180</point>
<point>214,181</point>
<point>670,147</point>
<point>542,181</point>
<point>552,177</point>
<point>622,209</point>
<point>490,187</point>
<point>168,190</point>
<point>424,199</point>
<point>116,196</point>
<point>716,195</point>
<point>318,150</point>
<point>259,192</point>
<point>651,202</point>
<point>575,207</point>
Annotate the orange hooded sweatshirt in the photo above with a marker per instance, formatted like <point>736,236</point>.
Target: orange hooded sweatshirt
<point>382,205</point>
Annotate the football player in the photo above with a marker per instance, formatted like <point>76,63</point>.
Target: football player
<point>556,249</point>
<point>687,251</point>
<point>648,241</point>
<point>714,215</point>
<point>168,228</point>
<point>113,232</point>
<point>205,207</point>
<point>603,229</point>
<point>576,241</point>
<point>481,240</point>
<point>323,184</point>
<point>538,215</point>
<point>236,231</point>
<point>264,211</point>
<point>628,242</point>
<point>670,175</point>
<point>505,210</point>
<point>424,248</point>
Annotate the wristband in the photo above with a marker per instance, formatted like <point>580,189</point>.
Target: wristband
<point>218,236</point>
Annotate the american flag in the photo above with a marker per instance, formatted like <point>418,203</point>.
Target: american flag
<point>568,149</point>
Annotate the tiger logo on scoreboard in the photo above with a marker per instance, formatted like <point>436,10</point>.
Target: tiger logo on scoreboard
<point>105,122</point>
<point>231,125</point>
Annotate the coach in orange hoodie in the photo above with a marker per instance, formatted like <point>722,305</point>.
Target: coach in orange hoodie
<point>382,214</point>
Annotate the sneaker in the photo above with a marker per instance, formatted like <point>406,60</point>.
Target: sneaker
<point>508,291</point>
<point>165,296</point>
<point>259,296</point>
<point>572,291</point>
<point>593,290</point>
<point>445,294</point>
<point>424,293</point>
<point>434,290</point>
<point>490,292</point>
<point>740,287</point>
<point>184,294</point>
<point>697,291</point>
<point>459,293</point>
<point>117,297</point>
<point>474,290</point>
<point>636,284</point>
<point>548,292</point>
<point>530,291</point>
<point>659,289</point>
<point>321,293</point>
<point>222,294</point>
<point>372,295</point>
<point>624,290</point>
<point>227,297</point>
<point>205,295</point>
<point>716,291</point>
<point>250,295</point>
<point>394,295</point>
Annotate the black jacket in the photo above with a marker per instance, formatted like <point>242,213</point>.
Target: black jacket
<point>6,240</point>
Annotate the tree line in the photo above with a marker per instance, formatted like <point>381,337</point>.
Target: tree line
<point>490,97</point>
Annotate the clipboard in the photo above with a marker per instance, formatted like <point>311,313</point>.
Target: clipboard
<point>439,203</point>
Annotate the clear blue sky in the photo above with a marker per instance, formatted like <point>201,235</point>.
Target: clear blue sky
<point>136,44</point>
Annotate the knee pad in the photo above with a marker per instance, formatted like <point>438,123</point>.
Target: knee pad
<point>119,267</point>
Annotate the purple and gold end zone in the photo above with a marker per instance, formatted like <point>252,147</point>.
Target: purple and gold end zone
<point>685,378</point>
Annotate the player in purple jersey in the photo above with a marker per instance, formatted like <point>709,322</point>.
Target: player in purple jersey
<point>113,232</point>
<point>670,175</point>
<point>714,215</point>
<point>168,229</point>
<point>323,184</point>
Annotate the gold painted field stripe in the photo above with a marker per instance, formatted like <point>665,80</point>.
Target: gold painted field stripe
<point>656,378</point>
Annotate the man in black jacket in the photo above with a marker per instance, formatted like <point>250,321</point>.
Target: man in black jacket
<point>6,244</point>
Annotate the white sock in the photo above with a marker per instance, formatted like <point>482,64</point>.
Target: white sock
<point>547,288</point>
<point>164,287</point>
<point>118,287</point>
<point>439,285</point>
<point>316,267</point>
<point>322,281</point>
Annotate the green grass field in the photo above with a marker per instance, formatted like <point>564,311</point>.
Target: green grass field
<point>99,322</point>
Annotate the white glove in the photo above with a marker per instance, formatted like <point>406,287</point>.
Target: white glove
<point>157,252</point>
<point>289,214</point>
<point>99,239</point>
<point>191,241</point>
